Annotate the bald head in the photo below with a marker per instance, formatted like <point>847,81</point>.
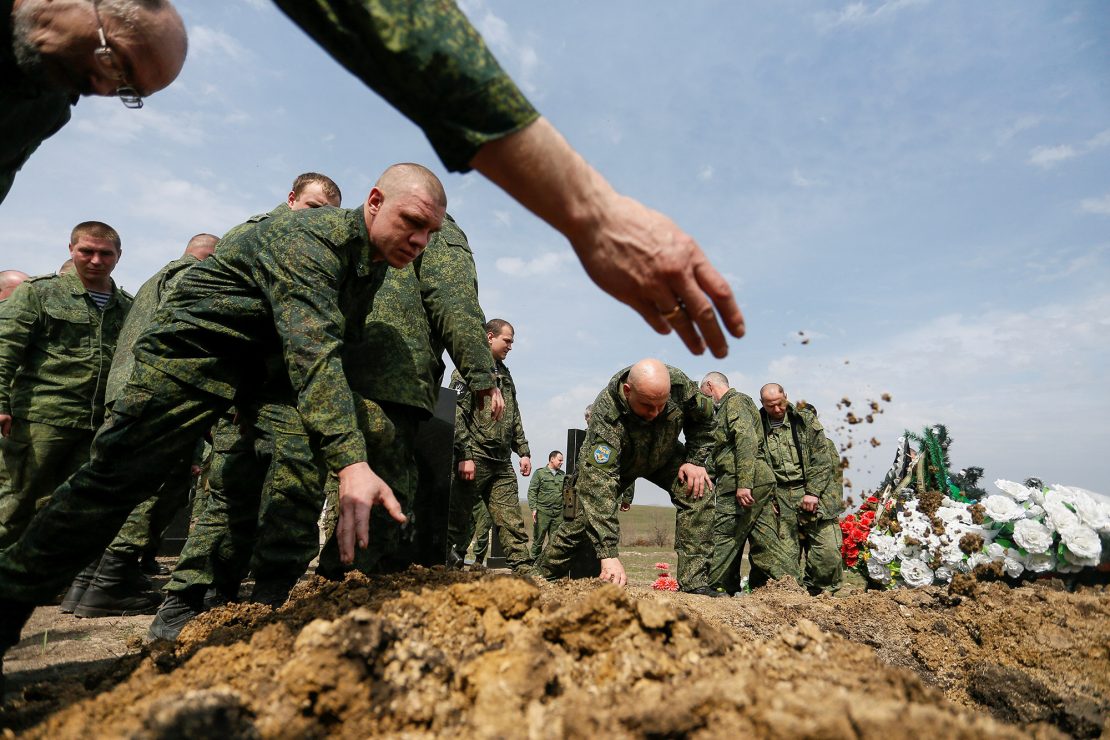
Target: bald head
<point>201,246</point>
<point>55,42</point>
<point>9,281</point>
<point>715,385</point>
<point>647,388</point>
<point>404,210</point>
<point>773,398</point>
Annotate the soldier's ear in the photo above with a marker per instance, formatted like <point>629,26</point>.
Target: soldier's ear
<point>374,200</point>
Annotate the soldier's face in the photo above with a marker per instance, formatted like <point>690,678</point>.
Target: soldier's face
<point>401,225</point>
<point>502,344</point>
<point>93,259</point>
<point>556,462</point>
<point>312,196</point>
<point>645,406</point>
<point>774,403</point>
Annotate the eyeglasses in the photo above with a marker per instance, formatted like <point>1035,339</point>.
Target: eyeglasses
<point>106,58</point>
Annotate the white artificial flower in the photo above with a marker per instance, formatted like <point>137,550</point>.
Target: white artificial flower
<point>1016,491</point>
<point>1003,508</point>
<point>951,514</point>
<point>916,573</point>
<point>877,571</point>
<point>916,526</point>
<point>1081,541</point>
<point>944,573</point>
<point>1012,566</point>
<point>996,552</point>
<point>1041,562</point>
<point>1091,512</point>
<point>1079,562</point>
<point>975,559</point>
<point>884,547</point>
<point>1032,536</point>
<point>1056,513</point>
<point>1034,511</point>
<point>951,554</point>
<point>1036,495</point>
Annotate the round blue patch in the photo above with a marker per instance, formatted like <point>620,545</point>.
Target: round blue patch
<point>602,454</point>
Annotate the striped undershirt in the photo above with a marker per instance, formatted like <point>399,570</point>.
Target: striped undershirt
<point>100,299</point>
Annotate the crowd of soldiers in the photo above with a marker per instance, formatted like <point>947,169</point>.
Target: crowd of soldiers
<point>289,342</point>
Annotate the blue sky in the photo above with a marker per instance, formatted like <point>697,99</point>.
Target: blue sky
<point>919,187</point>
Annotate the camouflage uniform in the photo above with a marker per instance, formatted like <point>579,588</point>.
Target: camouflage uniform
<point>490,444</point>
<point>274,303</point>
<point>55,349</point>
<point>736,464</point>
<point>821,535</point>
<point>621,447</point>
<point>481,526</point>
<point>796,453</point>
<point>545,497</point>
<point>420,310</point>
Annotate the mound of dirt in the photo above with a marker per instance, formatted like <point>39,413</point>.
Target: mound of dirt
<point>432,652</point>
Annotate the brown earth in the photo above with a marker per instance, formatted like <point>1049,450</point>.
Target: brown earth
<point>431,652</point>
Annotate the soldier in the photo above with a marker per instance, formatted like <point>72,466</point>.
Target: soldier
<point>483,457</point>
<point>264,451</point>
<point>56,50</point>
<point>276,302</point>
<point>57,335</point>
<point>480,530</point>
<point>9,281</point>
<point>794,442</point>
<point>118,587</point>
<point>633,433</point>
<point>742,479</point>
<point>474,116</point>
<point>545,499</point>
<point>821,537</point>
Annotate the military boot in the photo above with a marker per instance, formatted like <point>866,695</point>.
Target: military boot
<point>119,589</point>
<point>13,617</point>
<point>78,587</point>
<point>149,564</point>
<point>272,591</point>
<point>705,591</point>
<point>179,608</point>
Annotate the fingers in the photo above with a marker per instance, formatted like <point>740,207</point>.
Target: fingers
<point>716,287</point>
<point>345,530</point>
<point>392,505</point>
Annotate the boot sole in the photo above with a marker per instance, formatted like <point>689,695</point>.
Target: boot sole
<point>83,612</point>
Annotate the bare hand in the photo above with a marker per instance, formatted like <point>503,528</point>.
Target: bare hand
<point>809,503</point>
<point>5,424</point>
<point>526,466</point>
<point>466,470</point>
<point>493,397</point>
<point>612,571</point>
<point>360,490</point>
<point>745,498</point>
<point>696,480</point>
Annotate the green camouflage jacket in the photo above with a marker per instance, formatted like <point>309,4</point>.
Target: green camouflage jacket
<point>545,492</point>
<point>429,305</point>
<point>427,61</point>
<point>269,313</point>
<point>621,447</point>
<point>736,460</point>
<point>146,300</point>
<point>809,440</point>
<point>832,500</point>
<point>29,113</point>
<point>56,348</point>
<point>477,435</point>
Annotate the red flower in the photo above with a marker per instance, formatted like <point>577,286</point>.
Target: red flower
<point>662,566</point>
<point>665,583</point>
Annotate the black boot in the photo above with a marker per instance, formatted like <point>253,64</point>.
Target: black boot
<point>13,617</point>
<point>78,587</point>
<point>179,608</point>
<point>118,590</point>
<point>706,591</point>
<point>150,565</point>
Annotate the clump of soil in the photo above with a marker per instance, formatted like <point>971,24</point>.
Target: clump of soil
<point>971,542</point>
<point>436,653</point>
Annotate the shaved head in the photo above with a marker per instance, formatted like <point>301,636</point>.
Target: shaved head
<point>648,388</point>
<point>406,176</point>
<point>773,398</point>
<point>9,281</point>
<point>201,246</point>
<point>715,385</point>
<point>404,210</point>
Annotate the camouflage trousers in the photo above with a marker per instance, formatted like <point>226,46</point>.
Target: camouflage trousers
<point>481,523</point>
<point>267,457</point>
<point>693,530</point>
<point>38,458</point>
<point>155,423</point>
<point>142,532</point>
<point>775,552</point>
<point>544,527</point>
<point>495,485</point>
<point>393,457</point>
<point>821,540</point>
<point>732,529</point>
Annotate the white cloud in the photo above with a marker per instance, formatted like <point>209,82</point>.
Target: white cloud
<point>1050,156</point>
<point>119,125</point>
<point>800,181</point>
<point>544,264</point>
<point>184,205</point>
<point>705,174</point>
<point>257,4</point>
<point>213,43</point>
<point>861,13</point>
<point>1096,205</point>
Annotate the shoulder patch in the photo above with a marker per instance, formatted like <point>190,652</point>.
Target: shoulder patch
<point>602,455</point>
<point>703,406</point>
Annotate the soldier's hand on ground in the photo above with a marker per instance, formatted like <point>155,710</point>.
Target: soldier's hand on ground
<point>612,571</point>
<point>526,466</point>
<point>360,490</point>
<point>5,424</point>
<point>493,397</point>
<point>809,503</point>
<point>625,506</point>
<point>745,498</point>
<point>466,470</point>
<point>696,479</point>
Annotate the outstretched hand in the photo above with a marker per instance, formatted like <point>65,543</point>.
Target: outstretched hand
<point>360,490</point>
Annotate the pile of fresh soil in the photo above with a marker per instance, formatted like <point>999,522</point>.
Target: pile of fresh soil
<point>431,652</point>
